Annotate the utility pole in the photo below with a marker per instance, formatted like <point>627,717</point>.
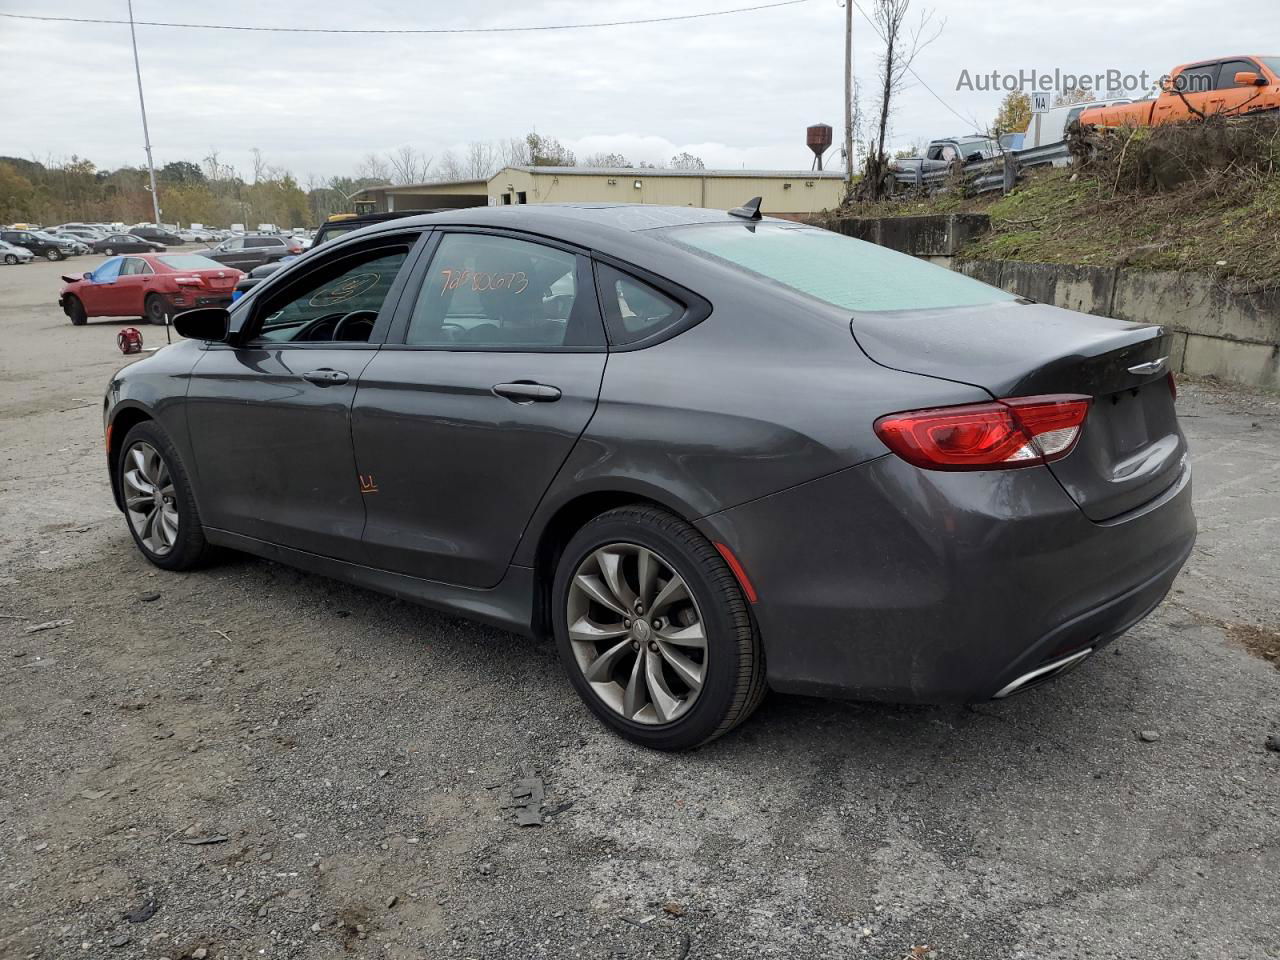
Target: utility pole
<point>849,92</point>
<point>146,135</point>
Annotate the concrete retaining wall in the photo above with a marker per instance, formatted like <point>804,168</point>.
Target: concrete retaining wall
<point>1222,327</point>
<point>1227,329</point>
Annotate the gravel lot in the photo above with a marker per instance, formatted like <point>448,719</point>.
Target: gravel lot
<point>347,757</point>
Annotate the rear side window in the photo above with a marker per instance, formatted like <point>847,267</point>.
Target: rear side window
<point>844,272</point>
<point>633,309</point>
<point>1197,79</point>
<point>263,242</point>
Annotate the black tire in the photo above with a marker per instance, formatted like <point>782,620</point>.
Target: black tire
<point>75,311</point>
<point>154,306</point>
<point>190,547</point>
<point>53,255</point>
<point>10,259</point>
<point>735,680</point>
<point>109,252</point>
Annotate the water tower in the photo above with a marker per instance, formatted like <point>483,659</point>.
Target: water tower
<point>818,137</point>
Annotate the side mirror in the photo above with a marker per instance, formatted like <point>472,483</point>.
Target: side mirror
<point>210,324</point>
<point>87,275</point>
<point>1248,78</point>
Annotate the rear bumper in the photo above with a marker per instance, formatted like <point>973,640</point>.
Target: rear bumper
<point>893,583</point>
<point>179,302</point>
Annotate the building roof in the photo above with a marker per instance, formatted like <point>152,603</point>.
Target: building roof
<point>669,172</point>
<point>435,184</point>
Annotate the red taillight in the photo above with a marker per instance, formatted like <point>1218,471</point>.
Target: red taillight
<point>1018,432</point>
<point>192,281</point>
<point>1173,386</point>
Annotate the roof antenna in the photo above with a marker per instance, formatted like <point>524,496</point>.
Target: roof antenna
<point>748,211</point>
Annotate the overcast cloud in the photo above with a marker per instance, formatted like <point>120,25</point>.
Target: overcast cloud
<point>737,91</point>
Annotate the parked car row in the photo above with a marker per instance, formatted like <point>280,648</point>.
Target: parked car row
<point>38,243</point>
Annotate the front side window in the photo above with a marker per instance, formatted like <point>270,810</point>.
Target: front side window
<point>1227,73</point>
<point>108,270</point>
<point>634,310</point>
<point>338,303</point>
<point>133,266</point>
<point>493,292</point>
<point>844,272</point>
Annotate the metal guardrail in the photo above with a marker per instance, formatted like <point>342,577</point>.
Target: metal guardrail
<point>985,176</point>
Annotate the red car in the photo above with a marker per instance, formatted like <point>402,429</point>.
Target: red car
<point>148,285</point>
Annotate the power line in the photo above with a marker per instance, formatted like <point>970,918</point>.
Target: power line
<point>911,70</point>
<point>433,30</point>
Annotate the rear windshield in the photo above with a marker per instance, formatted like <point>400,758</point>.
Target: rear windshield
<point>847,273</point>
<point>190,261</point>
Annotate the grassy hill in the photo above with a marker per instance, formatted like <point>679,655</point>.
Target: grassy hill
<point>1154,206</point>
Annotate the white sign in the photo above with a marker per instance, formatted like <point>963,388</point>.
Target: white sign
<point>1039,103</point>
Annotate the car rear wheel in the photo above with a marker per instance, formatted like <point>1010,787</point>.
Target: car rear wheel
<point>109,251</point>
<point>10,259</point>
<point>52,255</point>
<point>158,501</point>
<point>76,311</point>
<point>654,631</point>
<point>154,310</point>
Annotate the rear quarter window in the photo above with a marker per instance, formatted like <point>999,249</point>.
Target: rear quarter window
<point>839,270</point>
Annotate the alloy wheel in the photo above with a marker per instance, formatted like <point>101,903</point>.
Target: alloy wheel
<point>636,633</point>
<point>149,498</point>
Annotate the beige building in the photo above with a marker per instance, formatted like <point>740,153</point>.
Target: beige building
<point>784,192</point>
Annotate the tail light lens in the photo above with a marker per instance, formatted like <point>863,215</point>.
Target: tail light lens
<point>1173,385</point>
<point>188,281</point>
<point>1018,432</point>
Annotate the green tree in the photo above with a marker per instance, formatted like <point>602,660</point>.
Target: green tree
<point>1014,115</point>
<point>181,171</point>
<point>548,152</point>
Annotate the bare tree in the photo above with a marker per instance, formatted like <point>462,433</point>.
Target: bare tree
<point>374,167</point>
<point>611,160</point>
<point>259,165</point>
<point>902,44</point>
<point>687,161</point>
<point>448,167</point>
<point>481,161</point>
<point>514,152</point>
<point>408,166</point>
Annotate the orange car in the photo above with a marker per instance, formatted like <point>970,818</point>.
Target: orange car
<point>1229,86</point>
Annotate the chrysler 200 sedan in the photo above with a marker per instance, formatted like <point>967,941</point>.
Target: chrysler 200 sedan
<point>709,453</point>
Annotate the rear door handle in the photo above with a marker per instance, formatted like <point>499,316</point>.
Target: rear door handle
<point>526,391</point>
<point>325,377</point>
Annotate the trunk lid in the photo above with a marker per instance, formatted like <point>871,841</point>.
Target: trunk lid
<point>1130,449</point>
<point>218,279</point>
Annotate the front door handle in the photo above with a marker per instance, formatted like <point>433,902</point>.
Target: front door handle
<point>526,391</point>
<point>325,377</point>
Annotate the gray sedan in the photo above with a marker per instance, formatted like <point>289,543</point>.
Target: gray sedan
<point>11,254</point>
<point>709,453</point>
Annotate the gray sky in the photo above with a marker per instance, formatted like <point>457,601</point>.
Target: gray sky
<point>736,90</point>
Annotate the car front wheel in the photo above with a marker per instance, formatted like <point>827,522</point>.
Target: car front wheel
<point>158,501</point>
<point>76,311</point>
<point>654,630</point>
<point>53,256</point>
